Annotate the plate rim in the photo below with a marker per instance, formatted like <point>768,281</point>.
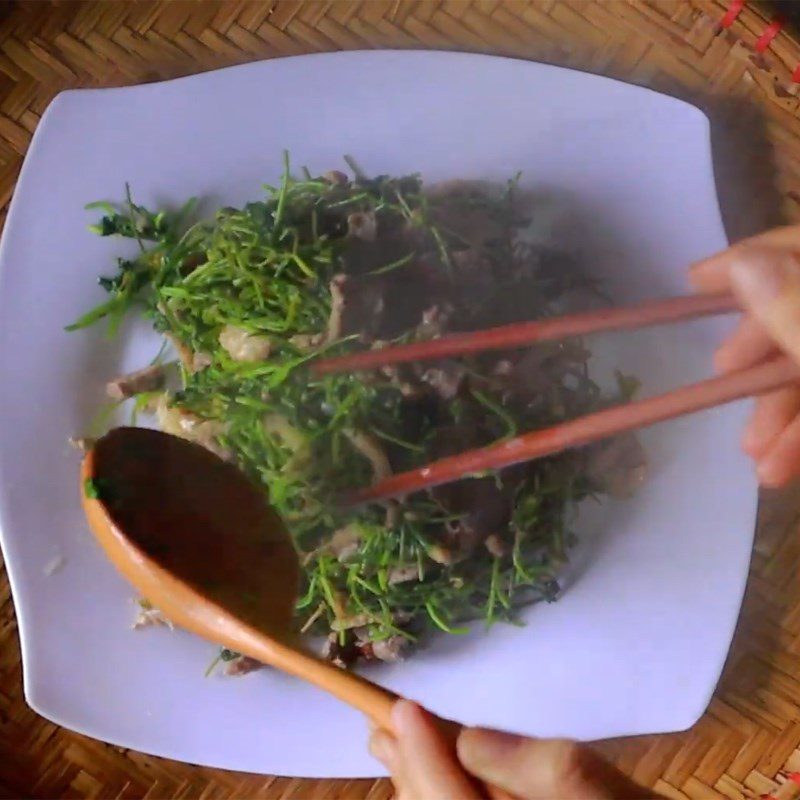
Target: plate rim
<point>7,538</point>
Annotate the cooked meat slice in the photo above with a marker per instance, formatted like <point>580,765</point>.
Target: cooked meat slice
<point>348,622</point>
<point>242,345</point>
<point>178,422</point>
<point>527,380</point>
<point>384,305</point>
<point>456,209</point>
<point>149,616</point>
<point>494,544</point>
<point>369,447</point>
<point>483,506</point>
<point>81,443</point>
<point>619,465</point>
<point>403,574</point>
<point>336,178</point>
<point>391,649</point>
<point>200,361</point>
<point>345,542</point>
<point>360,303</point>
<point>342,655</point>
<point>446,378</point>
<point>403,377</point>
<point>474,283</point>
<point>242,665</point>
<point>441,554</point>
<point>421,411</point>
<point>362,225</point>
<point>184,352</point>
<point>307,341</point>
<point>376,240</point>
<point>149,379</point>
<point>337,286</point>
<point>435,320</point>
<point>392,514</point>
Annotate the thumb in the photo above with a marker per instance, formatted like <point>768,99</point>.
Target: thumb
<point>767,283</point>
<point>541,769</point>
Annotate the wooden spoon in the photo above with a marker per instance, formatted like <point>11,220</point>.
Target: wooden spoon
<point>196,538</point>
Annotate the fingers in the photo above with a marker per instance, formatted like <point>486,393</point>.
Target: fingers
<point>764,274</point>
<point>423,767</point>
<point>767,282</point>
<point>542,769</point>
<point>383,747</point>
<point>436,772</point>
<point>772,414</point>
<point>747,346</point>
<point>421,763</point>
<point>711,274</point>
<point>781,463</point>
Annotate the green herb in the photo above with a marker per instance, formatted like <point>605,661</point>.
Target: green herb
<point>98,489</point>
<point>266,268</point>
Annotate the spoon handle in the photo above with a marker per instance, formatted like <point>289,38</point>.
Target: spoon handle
<point>372,700</point>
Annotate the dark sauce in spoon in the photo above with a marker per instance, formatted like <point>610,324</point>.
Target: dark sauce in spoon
<point>201,519</point>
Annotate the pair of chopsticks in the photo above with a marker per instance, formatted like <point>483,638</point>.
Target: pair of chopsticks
<point>756,380</point>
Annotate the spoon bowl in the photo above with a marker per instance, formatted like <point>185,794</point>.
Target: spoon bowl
<point>198,541</point>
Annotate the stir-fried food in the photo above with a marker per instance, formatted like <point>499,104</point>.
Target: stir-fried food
<point>326,265</point>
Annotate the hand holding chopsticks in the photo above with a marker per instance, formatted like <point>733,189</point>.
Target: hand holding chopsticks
<point>759,379</point>
<point>764,277</point>
<point>760,276</point>
<point>764,274</point>
<point>762,375</point>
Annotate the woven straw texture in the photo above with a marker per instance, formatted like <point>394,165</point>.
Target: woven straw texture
<point>733,59</point>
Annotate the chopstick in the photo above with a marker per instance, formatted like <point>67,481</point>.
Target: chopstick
<point>529,446</point>
<point>653,312</point>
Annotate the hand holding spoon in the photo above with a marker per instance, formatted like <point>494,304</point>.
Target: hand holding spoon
<point>196,538</point>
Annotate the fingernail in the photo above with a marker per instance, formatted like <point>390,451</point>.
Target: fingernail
<point>769,476</point>
<point>482,745</point>
<point>764,276</point>
<point>750,441</point>
<point>382,747</point>
<point>407,717</point>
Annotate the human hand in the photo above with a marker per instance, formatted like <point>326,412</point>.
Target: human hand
<point>492,764</point>
<point>764,275</point>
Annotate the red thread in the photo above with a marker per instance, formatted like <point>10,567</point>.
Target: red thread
<point>796,74</point>
<point>770,32</point>
<point>794,777</point>
<point>734,10</point>
<point>768,797</point>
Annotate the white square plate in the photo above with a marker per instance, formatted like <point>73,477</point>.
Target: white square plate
<point>637,642</point>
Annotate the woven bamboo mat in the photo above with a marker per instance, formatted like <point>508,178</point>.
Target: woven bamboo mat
<point>734,59</point>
